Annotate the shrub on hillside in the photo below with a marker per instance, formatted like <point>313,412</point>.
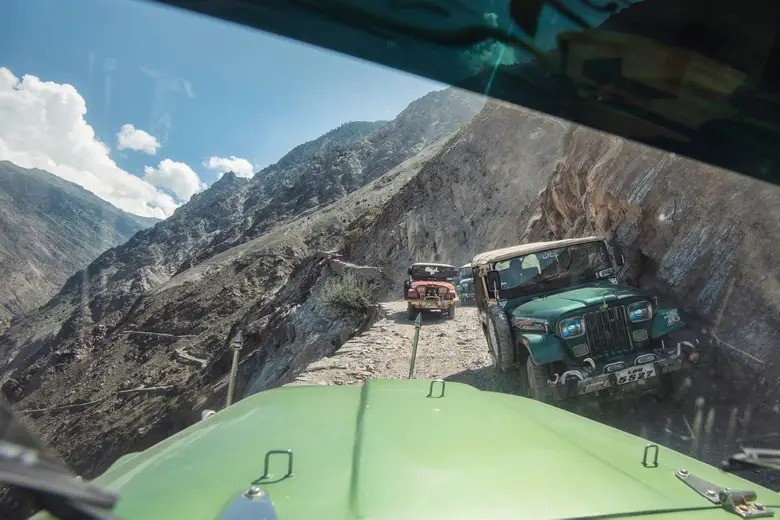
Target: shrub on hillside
<point>347,295</point>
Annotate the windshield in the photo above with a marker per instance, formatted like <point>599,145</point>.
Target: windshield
<point>204,201</point>
<point>432,272</point>
<point>569,265</point>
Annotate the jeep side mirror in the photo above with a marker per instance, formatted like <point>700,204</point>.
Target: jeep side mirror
<point>409,271</point>
<point>617,253</point>
<point>493,282</point>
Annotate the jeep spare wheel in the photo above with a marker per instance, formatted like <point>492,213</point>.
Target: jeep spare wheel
<point>500,337</point>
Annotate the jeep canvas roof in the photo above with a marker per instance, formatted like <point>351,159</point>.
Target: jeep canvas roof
<point>524,249</point>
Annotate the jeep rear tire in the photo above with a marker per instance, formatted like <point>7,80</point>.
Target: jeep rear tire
<point>499,337</point>
<point>537,380</point>
<point>451,313</point>
<point>411,312</point>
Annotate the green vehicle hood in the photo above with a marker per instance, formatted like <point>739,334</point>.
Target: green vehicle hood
<point>551,306</point>
<point>386,450</point>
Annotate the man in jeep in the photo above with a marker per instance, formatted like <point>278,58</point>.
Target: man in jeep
<point>558,311</point>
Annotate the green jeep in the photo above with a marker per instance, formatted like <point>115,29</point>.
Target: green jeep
<point>558,310</point>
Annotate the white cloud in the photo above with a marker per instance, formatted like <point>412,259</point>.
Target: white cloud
<point>176,177</point>
<point>43,126</point>
<point>136,139</point>
<point>237,165</point>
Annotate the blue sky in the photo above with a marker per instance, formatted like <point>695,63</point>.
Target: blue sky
<point>201,87</point>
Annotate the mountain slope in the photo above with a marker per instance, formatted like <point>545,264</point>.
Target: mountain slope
<point>50,229</point>
<point>259,254</point>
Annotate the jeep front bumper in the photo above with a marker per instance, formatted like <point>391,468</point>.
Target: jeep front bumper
<point>628,380</point>
<point>433,303</point>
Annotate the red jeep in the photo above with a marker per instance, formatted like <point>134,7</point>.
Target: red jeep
<point>430,288</point>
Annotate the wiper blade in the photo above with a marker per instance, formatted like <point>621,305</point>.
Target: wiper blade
<point>26,464</point>
<point>61,492</point>
<point>26,468</point>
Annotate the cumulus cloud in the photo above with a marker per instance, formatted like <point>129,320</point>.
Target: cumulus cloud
<point>43,126</point>
<point>237,165</point>
<point>130,137</point>
<point>176,177</point>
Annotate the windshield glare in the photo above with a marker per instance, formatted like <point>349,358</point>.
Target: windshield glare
<point>574,264</point>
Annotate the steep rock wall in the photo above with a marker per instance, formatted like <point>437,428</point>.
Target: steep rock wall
<point>701,237</point>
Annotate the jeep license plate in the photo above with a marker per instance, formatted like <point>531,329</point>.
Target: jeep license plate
<point>431,305</point>
<point>629,375</point>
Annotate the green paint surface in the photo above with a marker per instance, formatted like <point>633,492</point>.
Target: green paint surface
<point>386,450</point>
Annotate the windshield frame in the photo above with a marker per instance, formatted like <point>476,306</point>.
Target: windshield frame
<point>597,268</point>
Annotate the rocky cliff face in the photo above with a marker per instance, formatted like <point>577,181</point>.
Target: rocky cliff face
<point>50,228</point>
<point>701,237</point>
<point>137,340</point>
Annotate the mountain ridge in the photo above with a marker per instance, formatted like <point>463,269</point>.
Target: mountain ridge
<point>51,228</point>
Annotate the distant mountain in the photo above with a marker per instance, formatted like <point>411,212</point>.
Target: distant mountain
<point>49,229</point>
<point>340,136</point>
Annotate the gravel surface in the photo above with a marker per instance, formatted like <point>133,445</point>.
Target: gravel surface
<point>447,349</point>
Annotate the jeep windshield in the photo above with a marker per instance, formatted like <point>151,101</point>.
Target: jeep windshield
<point>433,272</point>
<point>554,268</point>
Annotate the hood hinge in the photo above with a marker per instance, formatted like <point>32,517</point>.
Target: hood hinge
<point>740,502</point>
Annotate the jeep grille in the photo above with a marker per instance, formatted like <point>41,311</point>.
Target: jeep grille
<point>431,291</point>
<point>608,331</point>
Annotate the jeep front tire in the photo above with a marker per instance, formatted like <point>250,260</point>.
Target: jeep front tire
<point>451,312</point>
<point>499,337</point>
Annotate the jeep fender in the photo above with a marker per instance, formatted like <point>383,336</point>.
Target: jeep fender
<point>666,320</point>
<point>543,348</point>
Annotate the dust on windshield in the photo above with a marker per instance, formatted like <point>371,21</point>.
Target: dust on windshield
<point>210,212</point>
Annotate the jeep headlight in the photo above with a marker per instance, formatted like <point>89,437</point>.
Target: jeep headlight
<point>572,327</point>
<point>640,311</point>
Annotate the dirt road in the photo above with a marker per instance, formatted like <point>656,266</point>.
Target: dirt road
<point>447,349</point>
<point>704,428</point>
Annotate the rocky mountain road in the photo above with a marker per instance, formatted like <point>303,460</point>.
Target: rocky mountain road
<point>448,349</point>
